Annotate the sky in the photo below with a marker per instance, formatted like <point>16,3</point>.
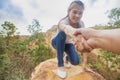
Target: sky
<point>49,12</point>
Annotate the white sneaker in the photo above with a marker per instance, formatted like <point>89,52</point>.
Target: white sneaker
<point>67,65</point>
<point>60,73</point>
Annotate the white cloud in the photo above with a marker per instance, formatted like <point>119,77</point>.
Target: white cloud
<point>49,12</point>
<point>96,13</point>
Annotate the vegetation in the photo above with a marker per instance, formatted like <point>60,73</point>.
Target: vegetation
<point>108,63</point>
<point>19,55</point>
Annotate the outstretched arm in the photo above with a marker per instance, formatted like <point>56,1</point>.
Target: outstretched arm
<point>105,39</point>
<point>69,30</point>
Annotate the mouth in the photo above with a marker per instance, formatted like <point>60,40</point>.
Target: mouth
<point>76,20</point>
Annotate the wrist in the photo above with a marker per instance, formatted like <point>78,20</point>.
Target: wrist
<point>88,33</point>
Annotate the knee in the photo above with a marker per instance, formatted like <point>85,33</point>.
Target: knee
<point>75,61</point>
<point>53,42</point>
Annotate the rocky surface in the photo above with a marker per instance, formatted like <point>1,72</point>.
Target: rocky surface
<point>44,72</point>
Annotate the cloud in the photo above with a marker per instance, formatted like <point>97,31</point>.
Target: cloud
<point>96,13</point>
<point>91,2</point>
<point>9,11</point>
<point>49,12</point>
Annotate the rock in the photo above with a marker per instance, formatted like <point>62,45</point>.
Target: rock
<point>44,72</point>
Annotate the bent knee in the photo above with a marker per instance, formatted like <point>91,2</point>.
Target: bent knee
<point>53,43</point>
<point>75,62</point>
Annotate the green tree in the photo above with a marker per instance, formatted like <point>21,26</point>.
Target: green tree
<point>8,30</point>
<point>114,16</point>
<point>34,27</point>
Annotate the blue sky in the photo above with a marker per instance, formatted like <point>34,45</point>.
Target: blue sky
<point>8,9</point>
<point>49,12</point>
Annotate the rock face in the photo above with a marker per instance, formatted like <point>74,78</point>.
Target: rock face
<point>44,72</point>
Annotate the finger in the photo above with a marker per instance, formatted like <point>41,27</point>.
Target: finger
<point>74,42</point>
<point>87,47</point>
<point>79,44</point>
<point>80,47</point>
<point>75,33</point>
<point>85,44</point>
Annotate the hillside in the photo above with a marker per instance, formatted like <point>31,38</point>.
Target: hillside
<point>33,55</point>
<point>44,70</point>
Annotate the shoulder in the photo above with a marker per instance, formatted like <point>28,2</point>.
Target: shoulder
<point>64,21</point>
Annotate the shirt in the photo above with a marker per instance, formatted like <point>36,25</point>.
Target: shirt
<point>66,21</point>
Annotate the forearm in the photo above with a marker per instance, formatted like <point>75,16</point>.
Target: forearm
<point>106,39</point>
<point>67,29</point>
<point>87,32</point>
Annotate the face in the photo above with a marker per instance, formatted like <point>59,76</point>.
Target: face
<point>75,14</point>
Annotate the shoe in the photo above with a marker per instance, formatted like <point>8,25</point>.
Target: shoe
<point>67,65</point>
<point>62,74</point>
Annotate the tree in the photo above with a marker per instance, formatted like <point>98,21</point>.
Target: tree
<point>114,16</point>
<point>34,27</point>
<point>8,30</point>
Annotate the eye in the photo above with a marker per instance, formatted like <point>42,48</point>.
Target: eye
<point>80,13</point>
<point>77,12</point>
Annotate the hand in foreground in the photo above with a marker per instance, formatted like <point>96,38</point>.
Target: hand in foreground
<point>81,44</point>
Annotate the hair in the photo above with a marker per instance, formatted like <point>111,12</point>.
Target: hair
<point>78,2</point>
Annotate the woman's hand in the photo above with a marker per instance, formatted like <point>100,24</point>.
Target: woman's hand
<point>69,30</point>
<point>81,44</point>
<point>78,39</point>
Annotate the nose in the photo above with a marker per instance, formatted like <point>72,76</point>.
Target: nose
<point>77,15</point>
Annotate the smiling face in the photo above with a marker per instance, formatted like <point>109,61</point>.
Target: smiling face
<point>75,13</point>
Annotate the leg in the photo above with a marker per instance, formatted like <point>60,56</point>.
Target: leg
<point>72,55</point>
<point>58,43</point>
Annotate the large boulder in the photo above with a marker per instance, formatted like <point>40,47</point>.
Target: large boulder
<point>44,72</point>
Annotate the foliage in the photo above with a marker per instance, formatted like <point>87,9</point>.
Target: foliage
<point>19,57</point>
<point>34,27</point>
<point>1,45</point>
<point>8,30</point>
<point>40,54</point>
<point>112,60</point>
<point>17,60</point>
<point>114,20</point>
<point>114,16</point>
<point>108,63</point>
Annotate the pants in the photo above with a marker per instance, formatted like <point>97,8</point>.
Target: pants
<point>59,44</point>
